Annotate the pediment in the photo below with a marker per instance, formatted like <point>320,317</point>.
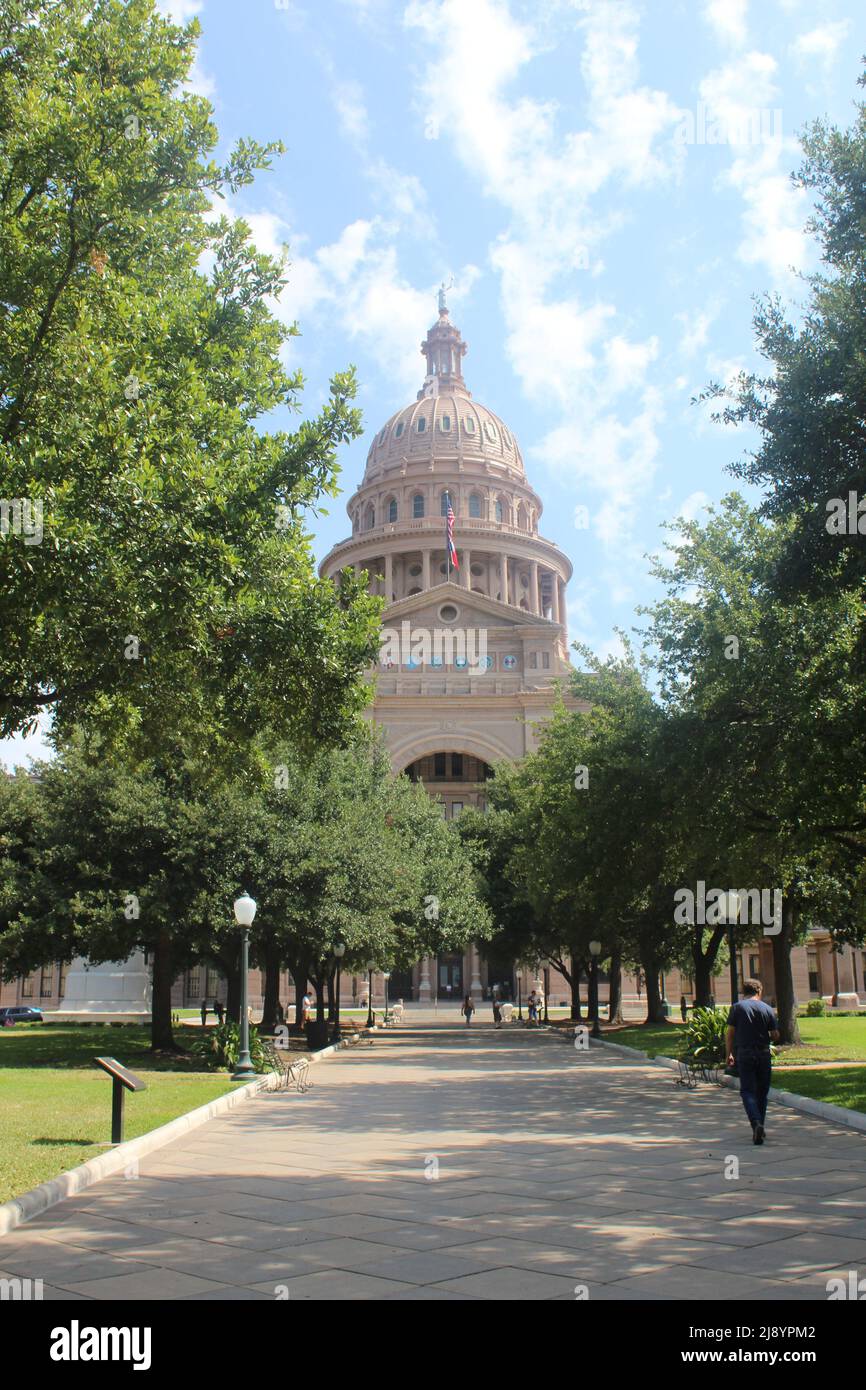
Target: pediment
<point>474,610</point>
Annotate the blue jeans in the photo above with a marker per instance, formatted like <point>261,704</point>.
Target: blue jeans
<point>755,1067</point>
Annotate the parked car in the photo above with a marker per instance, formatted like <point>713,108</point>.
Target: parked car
<point>19,1013</point>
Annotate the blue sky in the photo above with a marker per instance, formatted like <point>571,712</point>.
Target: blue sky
<point>607,184</point>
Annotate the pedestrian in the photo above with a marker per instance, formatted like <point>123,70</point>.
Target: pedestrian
<point>468,1009</point>
<point>306,1007</point>
<point>497,1011</point>
<point>684,1008</point>
<point>203,1012</point>
<point>532,1006</point>
<point>752,1026</point>
<point>220,1011</point>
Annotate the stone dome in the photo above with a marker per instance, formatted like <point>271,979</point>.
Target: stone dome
<point>443,424</point>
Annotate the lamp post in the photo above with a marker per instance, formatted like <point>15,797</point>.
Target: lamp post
<point>339,952</point>
<point>595,952</point>
<point>520,995</point>
<point>245,911</point>
<point>370,1019</point>
<point>386,975</point>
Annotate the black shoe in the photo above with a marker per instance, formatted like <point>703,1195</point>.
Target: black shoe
<point>758,1134</point>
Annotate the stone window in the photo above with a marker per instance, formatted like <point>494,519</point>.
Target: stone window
<point>418,505</point>
<point>392,509</point>
<point>490,431</point>
<point>475,505</point>
<point>422,423</point>
<point>445,423</point>
<point>499,512</point>
<point>399,430</point>
<point>414,570</point>
<point>533,661</point>
<point>439,765</point>
<point>469,425</point>
<point>371,517</point>
<point>545,661</point>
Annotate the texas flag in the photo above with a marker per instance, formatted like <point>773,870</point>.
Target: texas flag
<point>449,534</point>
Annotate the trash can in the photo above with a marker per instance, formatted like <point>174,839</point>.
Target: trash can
<point>317,1034</point>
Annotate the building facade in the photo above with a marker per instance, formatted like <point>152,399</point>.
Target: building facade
<point>474,646</point>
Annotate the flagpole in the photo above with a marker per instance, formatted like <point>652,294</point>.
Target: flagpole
<point>447,540</point>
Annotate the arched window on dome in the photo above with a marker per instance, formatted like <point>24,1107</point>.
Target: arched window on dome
<point>422,424</point>
<point>382,435</point>
<point>445,424</point>
<point>506,436</point>
<point>474,505</point>
<point>418,506</point>
<point>499,510</point>
<point>490,431</point>
<point>469,424</point>
<point>522,518</point>
<point>443,504</point>
<point>392,509</point>
<point>399,430</point>
<point>370,518</point>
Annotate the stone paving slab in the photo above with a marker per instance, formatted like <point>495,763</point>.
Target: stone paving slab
<point>455,1165</point>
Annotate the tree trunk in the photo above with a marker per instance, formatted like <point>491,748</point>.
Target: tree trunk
<point>300,973</point>
<point>271,957</point>
<point>331,977</point>
<point>654,1010</point>
<point>233,991</point>
<point>704,961</point>
<point>614,1008</point>
<point>786,999</point>
<point>161,1035</point>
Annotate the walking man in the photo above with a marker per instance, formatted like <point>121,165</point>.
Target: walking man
<point>752,1026</point>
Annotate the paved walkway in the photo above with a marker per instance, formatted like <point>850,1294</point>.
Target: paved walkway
<point>484,1165</point>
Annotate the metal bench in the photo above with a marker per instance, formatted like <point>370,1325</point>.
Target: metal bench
<point>690,1073</point>
<point>294,1075</point>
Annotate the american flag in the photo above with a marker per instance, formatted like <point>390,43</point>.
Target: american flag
<point>453,562</point>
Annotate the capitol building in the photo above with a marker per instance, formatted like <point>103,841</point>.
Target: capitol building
<point>475,656</point>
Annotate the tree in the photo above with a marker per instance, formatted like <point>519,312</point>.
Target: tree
<point>774,697</point>
<point>810,407</point>
<point>174,587</point>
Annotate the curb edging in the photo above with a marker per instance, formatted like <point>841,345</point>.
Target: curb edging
<point>821,1109</point>
<point>23,1208</point>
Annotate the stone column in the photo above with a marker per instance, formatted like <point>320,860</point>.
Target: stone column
<point>554,596</point>
<point>425,570</point>
<point>563,611</point>
<point>389,579</point>
<point>503,577</point>
<point>475,967</point>
<point>534,593</point>
<point>465,571</point>
<point>847,998</point>
<point>424,993</point>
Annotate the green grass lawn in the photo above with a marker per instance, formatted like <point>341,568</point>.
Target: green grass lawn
<point>823,1040</point>
<point>837,1085</point>
<point>56,1104</point>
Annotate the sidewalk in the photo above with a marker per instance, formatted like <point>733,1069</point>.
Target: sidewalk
<point>446,1163</point>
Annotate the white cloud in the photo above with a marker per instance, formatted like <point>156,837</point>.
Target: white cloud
<point>180,11</point>
<point>821,43</point>
<point>568,349</point>
<point>741,96</point>
<point>696,331</point>
<point>352,110</point>
<point>728,19</point>
<point>355,282</point>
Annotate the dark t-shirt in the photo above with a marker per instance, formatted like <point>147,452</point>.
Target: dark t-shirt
<point>752,1021</point>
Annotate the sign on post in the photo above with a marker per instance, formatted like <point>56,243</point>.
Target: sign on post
<point>122,1080</point>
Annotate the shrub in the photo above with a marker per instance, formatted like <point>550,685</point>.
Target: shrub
<point>816,1008</point>
<point>220,1046</point>
<point>704,1038</point>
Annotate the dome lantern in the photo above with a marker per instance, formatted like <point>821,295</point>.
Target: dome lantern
<point>444,350</point>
